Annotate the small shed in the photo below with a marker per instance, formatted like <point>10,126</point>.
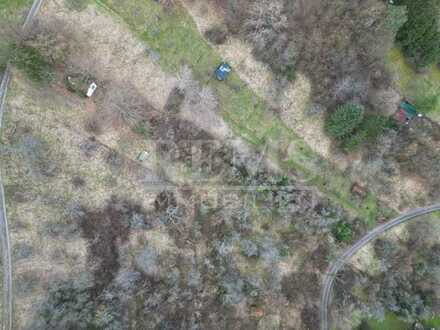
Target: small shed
<point>143,155</point>
<point>358,190</point>
<point>406,112</point>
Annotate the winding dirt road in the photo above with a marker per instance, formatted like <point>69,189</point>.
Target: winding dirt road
<point>336,266</point>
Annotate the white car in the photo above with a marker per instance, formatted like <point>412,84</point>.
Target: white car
<point>91,89</point>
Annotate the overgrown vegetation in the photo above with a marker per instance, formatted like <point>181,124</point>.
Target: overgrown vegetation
<point>184,272</point>
<point>293,36</point>
<point>32,63</point>
<point>349,125</point>
<point>342,232</point>
<point>246,113</point>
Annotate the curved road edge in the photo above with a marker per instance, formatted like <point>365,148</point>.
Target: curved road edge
<point>336,266</point>
<point>6,322</point>
<point>4,231</point>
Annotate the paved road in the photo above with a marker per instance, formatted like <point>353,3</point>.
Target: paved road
<point>340,262</point>
<point>32,13</point>
<point>3,89</point>
<point>6,322</point>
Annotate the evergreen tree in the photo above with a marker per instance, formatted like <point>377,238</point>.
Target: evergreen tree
<point>344,120</point>
<point>419,37</point>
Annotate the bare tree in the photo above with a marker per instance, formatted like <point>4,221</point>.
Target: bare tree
<point>208,100</point>
<point>266,19</point>
<point>186,80</point>
<point>122,105</point>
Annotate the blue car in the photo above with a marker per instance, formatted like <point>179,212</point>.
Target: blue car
<point>222,71</point>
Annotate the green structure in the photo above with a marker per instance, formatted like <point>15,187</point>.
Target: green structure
<point>406,113</point>
<point>409,109</point>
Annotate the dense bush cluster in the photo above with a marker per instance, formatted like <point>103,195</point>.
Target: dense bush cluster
<point>32,63</point>
<point>344,120</point>
<point>342,232</point>
<point>396,17</point>
<point>217,35</point>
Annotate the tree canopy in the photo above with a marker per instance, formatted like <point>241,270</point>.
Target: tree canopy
<point>344,120</point>
<point>419,37</point>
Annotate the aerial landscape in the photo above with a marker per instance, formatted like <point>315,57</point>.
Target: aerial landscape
<point>220,164</point>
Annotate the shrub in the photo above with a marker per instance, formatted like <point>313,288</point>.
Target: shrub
<point>353,141</point>
<point>32,63</point>
<point>419,36</point>
<point>217,35</point>
<point>342,232</point>
<point>344,120</point>
<point>368,130</point>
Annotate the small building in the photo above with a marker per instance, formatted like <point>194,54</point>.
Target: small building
<point>406,113</point>
<point>223,70</point>
<point>358,190</point>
